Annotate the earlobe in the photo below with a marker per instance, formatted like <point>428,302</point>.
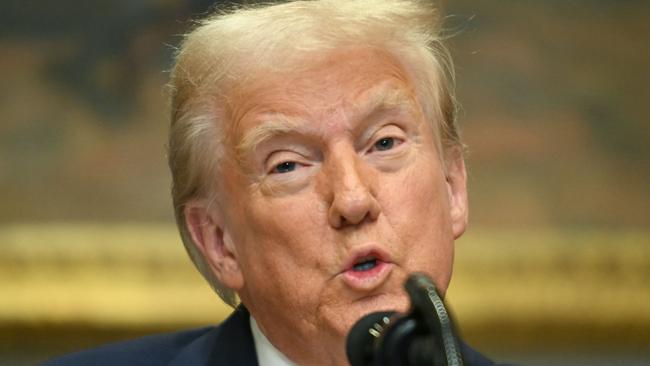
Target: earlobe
<point>214,242</point>
<point>457,191</point>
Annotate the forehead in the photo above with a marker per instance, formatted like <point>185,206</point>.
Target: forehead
<point>342,81</point>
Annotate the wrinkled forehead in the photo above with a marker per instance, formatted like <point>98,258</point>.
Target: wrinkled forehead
<point>350,81</point>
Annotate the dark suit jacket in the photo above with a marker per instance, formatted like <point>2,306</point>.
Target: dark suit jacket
<point>231,344</point>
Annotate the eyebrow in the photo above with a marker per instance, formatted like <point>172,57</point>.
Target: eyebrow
<point>382,100</point>
<point>277,124</point>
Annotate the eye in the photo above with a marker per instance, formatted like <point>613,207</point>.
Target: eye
<point>385,143</point>
<point>284,167</point>
<point>389,139</point>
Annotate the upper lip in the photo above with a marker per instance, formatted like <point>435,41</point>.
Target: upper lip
<point>362,253</point>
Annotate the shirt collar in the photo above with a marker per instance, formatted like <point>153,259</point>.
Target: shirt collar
<point>267,354</point>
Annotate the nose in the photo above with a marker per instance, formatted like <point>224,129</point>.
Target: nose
<point>351,187</point>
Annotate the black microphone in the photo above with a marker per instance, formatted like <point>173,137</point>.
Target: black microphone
<point>423,336</point>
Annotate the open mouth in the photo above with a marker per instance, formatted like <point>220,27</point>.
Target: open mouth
<point>365,264</point>
<point>367,270</point>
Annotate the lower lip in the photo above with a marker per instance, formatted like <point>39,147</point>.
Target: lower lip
<point>370,279</point>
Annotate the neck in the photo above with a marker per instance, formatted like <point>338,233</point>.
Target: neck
<point>297,348</point>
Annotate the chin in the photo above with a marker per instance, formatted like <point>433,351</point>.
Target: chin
<point>349,315</point>
<point>383,302</point>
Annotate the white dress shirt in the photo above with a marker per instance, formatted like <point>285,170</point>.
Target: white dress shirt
<point>267,354</point>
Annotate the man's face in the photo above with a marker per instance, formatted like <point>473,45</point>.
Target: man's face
<point>336,194</point>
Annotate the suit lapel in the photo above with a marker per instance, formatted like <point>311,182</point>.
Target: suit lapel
<point>231,343</point>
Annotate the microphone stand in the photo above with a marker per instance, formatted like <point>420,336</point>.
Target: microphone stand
<point>422,337</point>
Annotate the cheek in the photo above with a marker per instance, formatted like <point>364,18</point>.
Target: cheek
<point>286,218</point>
<point>286,258</point>
<point>417,208</point>
<point>418,198</point>
<point>285,235</point>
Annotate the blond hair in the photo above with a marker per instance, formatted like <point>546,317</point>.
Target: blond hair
<point>235,47</point>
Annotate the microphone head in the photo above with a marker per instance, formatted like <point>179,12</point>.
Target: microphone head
<point>362,336</point>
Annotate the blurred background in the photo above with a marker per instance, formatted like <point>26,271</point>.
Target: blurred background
<point>553,270</point>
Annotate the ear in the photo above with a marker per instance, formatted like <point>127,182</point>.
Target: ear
<point>205,224</point>
<point>457,191</point>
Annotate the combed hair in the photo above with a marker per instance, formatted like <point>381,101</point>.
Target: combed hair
<point>236,47</point>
